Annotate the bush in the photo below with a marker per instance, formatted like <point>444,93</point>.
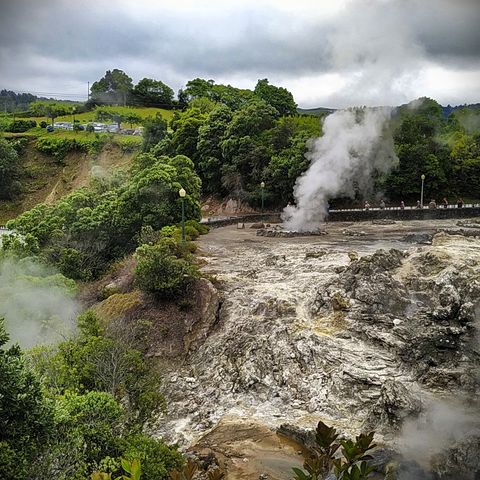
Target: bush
<point>201,228</point>
<point>57,147</point>
<point>157,458</point>
<point>160,272</point>
<point>19,126</point>
<point>43,124</point>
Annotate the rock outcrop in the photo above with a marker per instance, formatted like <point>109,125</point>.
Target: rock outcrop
<point>358,340</point>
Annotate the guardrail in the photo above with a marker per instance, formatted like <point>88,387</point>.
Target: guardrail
<point>358,215</point>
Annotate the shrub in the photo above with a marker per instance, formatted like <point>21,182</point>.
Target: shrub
<point>159,270</point>
<point>57,147</point>
<point>89,128</point>
<point>19,126</point>
<point>157,458</point>
<point>323,459</point>
<point>43,124</point>
<point>201,228</point>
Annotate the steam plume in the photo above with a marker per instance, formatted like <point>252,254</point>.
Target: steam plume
<point>427,439</point>
<point>37,304</point>
<point>354,145</point>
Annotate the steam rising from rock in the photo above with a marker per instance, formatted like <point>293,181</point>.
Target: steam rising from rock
<point>37,304</point>
<point>443,426</point>
<point>355,144</point>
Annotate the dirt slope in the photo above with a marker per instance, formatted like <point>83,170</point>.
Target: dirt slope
<point>45,179</point>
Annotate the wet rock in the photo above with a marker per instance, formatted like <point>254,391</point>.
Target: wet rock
<point>422,238</point>
<point>302,436</point>
<point>383,221</point>
<point>339,302</point>
<point>461,460</point>
<point>353,233</point>
<point>395,404</point>
<point>316,253</point>
<point>352,255</point>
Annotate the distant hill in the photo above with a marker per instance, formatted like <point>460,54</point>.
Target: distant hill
<point>319,111</point>
<point>449,109</point>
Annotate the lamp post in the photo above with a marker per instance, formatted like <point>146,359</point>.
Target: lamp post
<point>262,185</point>
<point>421,193</point>
<point>182,194</point>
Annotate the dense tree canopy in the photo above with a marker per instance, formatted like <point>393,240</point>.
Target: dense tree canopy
<point>9,171</point>
<point>278,97</point>
<point>84,231</point>
<point>50,110</point>
<point>112,88</point>
<point>152,93</point>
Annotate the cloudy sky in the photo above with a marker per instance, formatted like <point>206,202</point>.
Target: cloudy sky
<point>332,53</point>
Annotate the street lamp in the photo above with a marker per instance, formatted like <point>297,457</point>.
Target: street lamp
<point>182,194</point>
<point>421,194</point>
<point>262,185</point>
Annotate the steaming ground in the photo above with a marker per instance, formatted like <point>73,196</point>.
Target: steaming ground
<point>354,145</point>
<point>36,303</point>
<point>270,360</point>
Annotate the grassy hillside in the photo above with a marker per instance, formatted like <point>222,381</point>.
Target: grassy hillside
<point>143,112</point>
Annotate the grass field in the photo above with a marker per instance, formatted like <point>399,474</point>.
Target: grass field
<point>143,112</point>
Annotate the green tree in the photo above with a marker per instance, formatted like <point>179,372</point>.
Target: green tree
<point>246,149</point>
<point>154,131</point>
<point>113,88</point>
<point>185,132</point>
<point>209,152</point>
<point>26,416</point>
<point>278,97</point>
<point>50,110</point>
<point>150,93</point>
<point>160,272</point>
<point>10,171</point>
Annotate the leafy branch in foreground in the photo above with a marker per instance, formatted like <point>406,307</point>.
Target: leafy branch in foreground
<point>322,461</point>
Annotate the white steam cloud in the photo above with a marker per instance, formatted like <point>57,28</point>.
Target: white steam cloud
<point>355,144</point>
<point>438,429</point>
<point>37,304</point>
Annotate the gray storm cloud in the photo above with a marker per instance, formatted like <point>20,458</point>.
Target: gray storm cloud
<point>355,144</point>
<point>379,48</point>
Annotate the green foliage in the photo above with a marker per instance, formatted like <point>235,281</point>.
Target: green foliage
<point>323,459</point>
<point>161,272</point>
<point>112,88</point>
<point>19,126</point>
<point>428,143</point>
<point>155,130</point>
<point>59,147</point>
<point>150,92</point>
<point>185,132</point>
<point>133,468</point>
<point>278,97</point>
<point>156,458</point>
<point>226,94</point>
<point>19,247</point>
<point>26,416</point>
<point>50,109</point>
<point>97,418</point>
<point>104,359</point>
<point>10,171</point>
<point>85,231</point>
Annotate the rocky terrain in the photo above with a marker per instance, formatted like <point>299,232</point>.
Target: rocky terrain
<point>363,328</point>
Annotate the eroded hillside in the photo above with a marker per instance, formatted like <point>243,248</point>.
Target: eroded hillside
<point>46,178</point>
